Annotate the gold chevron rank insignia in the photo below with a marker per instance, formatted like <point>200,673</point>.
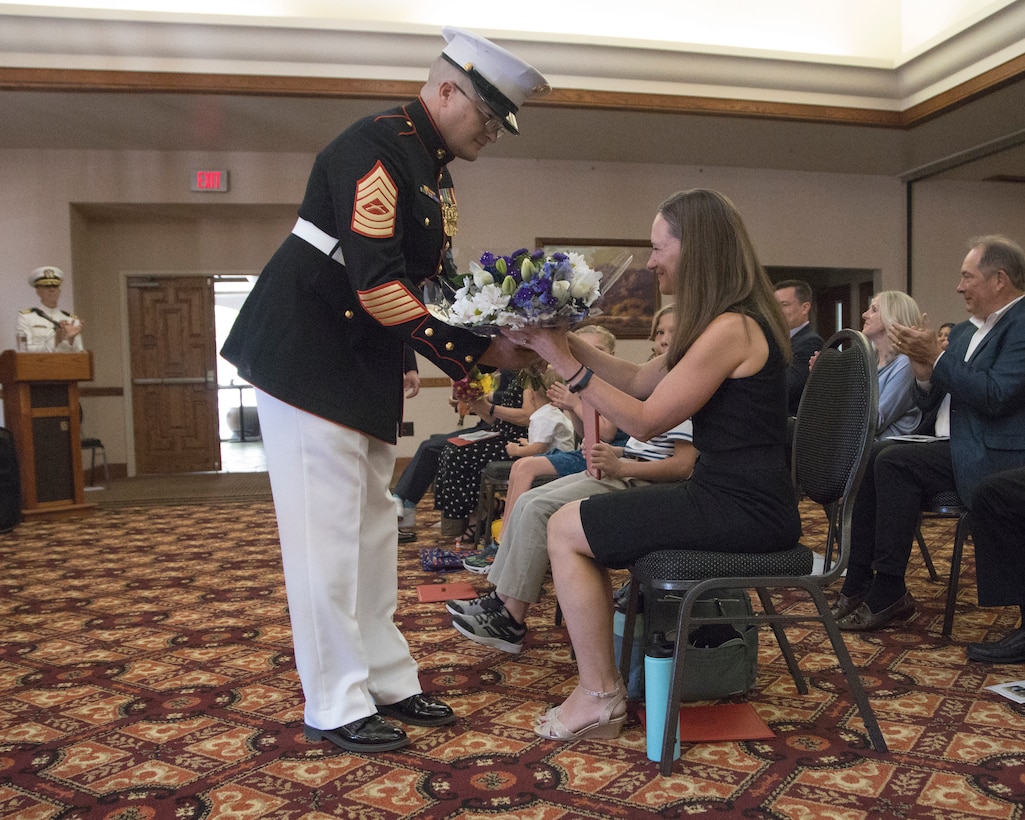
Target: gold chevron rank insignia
<point>391,304</point>
<point>373,213</point>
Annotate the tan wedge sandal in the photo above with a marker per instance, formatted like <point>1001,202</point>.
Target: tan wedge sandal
<point>608,725</point>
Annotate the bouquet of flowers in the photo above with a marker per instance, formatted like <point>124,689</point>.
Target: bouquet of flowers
<point>471,387</point>
<point>525,288</point>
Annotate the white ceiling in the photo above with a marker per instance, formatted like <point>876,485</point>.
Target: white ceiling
<point>978,139</point>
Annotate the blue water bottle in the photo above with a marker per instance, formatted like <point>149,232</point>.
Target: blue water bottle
<point>658,668</point>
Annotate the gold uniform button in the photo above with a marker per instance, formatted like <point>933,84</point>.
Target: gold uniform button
<point>468,359</point>
<point>427,222</point>
<point>349,314</point>
<point>449,346</point>
<point>429,331</point>
<point>409,123</point>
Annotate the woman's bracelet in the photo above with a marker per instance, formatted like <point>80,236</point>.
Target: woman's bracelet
<point>491,412</point>
<point>584,380</point>
<point>581,370</point>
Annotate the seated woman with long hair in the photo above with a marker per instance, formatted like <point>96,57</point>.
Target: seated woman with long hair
<point>725,369</point>
<point>898,415</point>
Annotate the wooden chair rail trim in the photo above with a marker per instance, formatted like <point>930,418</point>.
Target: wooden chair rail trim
<point>156,82</point>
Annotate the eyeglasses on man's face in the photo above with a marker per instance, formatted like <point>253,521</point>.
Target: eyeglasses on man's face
<point>492,123</point>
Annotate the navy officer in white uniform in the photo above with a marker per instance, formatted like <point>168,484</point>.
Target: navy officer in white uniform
<point>46,328</point>
<point>321,338</point>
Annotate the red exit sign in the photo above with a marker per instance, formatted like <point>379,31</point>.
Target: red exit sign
<point>209,180</point>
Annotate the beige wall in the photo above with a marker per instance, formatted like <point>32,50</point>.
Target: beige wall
<point>68,208</point>
<point>947,215</point>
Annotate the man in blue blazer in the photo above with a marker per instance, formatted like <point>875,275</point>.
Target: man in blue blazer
<point>978,384</point>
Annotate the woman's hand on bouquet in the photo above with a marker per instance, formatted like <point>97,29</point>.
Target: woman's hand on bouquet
<point>551,344</point>
<point>506,353</point>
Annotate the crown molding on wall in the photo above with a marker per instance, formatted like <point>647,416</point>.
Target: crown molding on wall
<point>157,82</point>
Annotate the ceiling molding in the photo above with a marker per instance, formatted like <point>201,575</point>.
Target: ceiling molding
<point>241,56</point>
<point>1003,75</point>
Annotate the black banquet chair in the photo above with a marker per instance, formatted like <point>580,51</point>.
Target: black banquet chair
<point>947,504</point>
<point>834,431</point>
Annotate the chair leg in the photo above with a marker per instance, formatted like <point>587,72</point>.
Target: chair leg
<point>960,534</point>
<point>626,647</point>
<point>784,642</point>
<point>850,672</point>
<point>922,548</point>
<point>669,730</point>
<point>92,468</point>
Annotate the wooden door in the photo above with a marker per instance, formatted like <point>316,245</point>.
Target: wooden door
<point>174,374</point>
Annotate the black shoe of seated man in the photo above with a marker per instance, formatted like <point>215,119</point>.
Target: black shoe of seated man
<point>1008,650</point>
<point>864,619</point>
<point>845,605</point>
<point>419,710</point>
<point>369,734</point>
<point>406,536</point>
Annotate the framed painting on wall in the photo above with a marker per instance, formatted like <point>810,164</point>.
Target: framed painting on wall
<point>628,309</point>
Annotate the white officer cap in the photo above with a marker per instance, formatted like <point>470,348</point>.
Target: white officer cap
<point>502,79</point>
<point>46,277</point>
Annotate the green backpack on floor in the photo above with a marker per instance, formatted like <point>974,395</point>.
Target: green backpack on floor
<point>721,660</point>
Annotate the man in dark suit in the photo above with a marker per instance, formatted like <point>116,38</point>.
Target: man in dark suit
<point>979,384</point>
<point>998,532</point>
<point>794,296</point>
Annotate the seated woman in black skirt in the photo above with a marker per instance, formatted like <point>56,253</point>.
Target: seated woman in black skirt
<point>726,368</point>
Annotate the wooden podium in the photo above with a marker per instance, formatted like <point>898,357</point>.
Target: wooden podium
<point>41,410</point>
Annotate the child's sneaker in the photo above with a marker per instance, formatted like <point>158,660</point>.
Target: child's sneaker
<point>481,561</point>
<point>496,628</point>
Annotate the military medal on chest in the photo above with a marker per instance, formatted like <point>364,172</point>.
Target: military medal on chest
<point>449,211</point>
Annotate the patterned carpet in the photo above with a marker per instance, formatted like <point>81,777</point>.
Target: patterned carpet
<point>146,672</point>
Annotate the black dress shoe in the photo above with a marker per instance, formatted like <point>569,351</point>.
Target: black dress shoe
<point>369,734</point>
<point>1008,650</point>
<point>845,605</point>
<point>864,619</point>
<point>419,710</point>
<point>406,536</point>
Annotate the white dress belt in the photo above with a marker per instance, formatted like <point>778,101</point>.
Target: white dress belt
<point>323,242</point>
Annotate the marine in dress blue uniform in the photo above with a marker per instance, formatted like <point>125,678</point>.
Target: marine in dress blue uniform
<point>321,337</point>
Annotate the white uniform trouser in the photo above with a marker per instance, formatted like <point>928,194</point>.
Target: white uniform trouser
<point>339,548</point>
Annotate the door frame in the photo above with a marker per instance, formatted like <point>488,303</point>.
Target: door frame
<point>126,353</point>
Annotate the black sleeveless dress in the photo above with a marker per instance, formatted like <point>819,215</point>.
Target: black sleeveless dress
<point>740,497</point>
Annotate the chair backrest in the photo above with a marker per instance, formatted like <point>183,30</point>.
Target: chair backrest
<point>835,428</point>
